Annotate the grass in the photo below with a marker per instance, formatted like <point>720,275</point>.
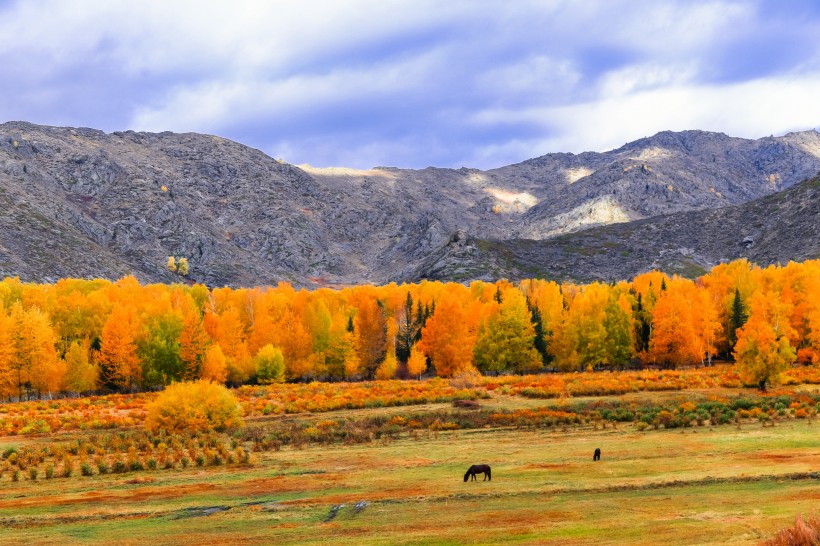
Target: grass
<point>691,486</point>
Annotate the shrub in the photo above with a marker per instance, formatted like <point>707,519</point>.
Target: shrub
<point>201,405</point>
<point>152,463</point>
<point>804,533</point>
<point>119,466</point>
<point>15,476</point>
<point>86,470</point>
<point>32,473</point>
<point>102,467</point>
<point>49,471</point>
<point>185,461</point>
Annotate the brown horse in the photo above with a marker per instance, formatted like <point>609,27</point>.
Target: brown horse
<point>478,469</point>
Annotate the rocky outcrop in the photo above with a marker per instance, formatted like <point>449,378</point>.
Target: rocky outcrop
<point>83,203</point>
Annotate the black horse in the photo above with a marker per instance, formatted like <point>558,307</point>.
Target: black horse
<point>478,469</point>
<point>597,455</point>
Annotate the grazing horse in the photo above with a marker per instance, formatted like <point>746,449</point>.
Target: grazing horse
<point>478,469</point>
<point>597,455</point>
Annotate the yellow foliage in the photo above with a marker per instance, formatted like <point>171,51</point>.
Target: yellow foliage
<point>196,406</point>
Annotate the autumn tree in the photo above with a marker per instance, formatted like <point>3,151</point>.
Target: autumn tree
<point>448,339</point>
<point>417,363</point>
<point>159,349</point>
<point>370,327</point>
<point>81,372</point>
<point>270,365</point>
<point>215,365</point>
<point>763,350</point>
<point>118,359</point>
<point>595,331</point>
<point>193,345</point>
<point>34,361</point>
<point>505,340</point>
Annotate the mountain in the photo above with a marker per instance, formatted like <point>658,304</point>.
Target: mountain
<point>774,229</point>
<point>83,203</point>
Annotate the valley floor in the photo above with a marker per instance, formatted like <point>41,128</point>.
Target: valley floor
<point>700,485</point>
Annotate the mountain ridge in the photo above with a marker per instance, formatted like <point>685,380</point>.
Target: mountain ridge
<point>85,203</point>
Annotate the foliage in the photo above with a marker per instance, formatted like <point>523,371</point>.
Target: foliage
<point>202,405</point>
<point>270,365</point>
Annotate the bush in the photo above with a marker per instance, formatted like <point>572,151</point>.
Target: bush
<point>119,466</point>
<point>49,471</point>
<point>152,463</point>
<point>804,533</point>
<point>86,470</point>
<point>197,406</point>
<point>32,473</point>
<point>102,467</point>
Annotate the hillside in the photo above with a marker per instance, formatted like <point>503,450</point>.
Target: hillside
<point>773,229</point>
<point>83,203</point>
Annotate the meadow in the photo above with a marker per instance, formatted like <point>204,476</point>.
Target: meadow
<point>393,473</point>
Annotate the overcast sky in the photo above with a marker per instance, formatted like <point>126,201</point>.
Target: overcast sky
<point>361,83</point>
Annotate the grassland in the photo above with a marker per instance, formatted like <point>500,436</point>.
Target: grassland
<point>695,485</point>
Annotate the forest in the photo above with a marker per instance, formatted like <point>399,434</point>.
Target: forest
<point>96,335</point>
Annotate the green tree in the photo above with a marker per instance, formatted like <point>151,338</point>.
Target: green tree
<point>505,340</point>
<point>270,365</point>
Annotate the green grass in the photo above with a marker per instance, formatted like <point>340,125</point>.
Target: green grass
<point>688,486</point>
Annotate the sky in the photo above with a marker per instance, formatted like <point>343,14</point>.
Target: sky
<point>363,83</point>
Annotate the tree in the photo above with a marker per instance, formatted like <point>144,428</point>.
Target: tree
<point>119,363</point>
<point>505,340</point>
<point>171,264</point>
<point>737,318</point>
<point>193,345</point>
<point>182,266</point>
<point>215,366</point>
<point>408,330</point>
<point>675,340</point>
<point>417,363</point>
<point>34,361</point>
<point>159,349</point>
<point>448,338</point>
<point>81,373</point>
<point>371,335</point>
<point>270,365</point>
<point>387,369</point>
<point>763,350</point>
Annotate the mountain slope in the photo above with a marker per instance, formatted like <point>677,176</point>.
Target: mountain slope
<point>80,202</point>
<point>773,229</point>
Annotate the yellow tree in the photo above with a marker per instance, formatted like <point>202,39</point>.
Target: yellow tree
<point>7,379</point>
<point>118,358</point>
<point>34,360</point>
<point>763,350</point>
<point>214,366</point>
<point>505,339</point>
<point>417,363</point>
<point>81,373</point>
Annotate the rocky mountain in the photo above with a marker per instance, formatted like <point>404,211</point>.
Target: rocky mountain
<point>774,229</point>
<point>79,202</point>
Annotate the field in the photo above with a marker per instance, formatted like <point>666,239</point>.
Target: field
<point>699,483</point>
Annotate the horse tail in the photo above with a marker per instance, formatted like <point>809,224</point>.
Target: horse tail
<point>489,474</point>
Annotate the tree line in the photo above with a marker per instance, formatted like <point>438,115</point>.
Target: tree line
<point>83,335</point>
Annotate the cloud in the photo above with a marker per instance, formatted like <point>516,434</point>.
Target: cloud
<point>413,83</point>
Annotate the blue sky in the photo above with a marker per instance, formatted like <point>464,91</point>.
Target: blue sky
<point>414,83</point>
